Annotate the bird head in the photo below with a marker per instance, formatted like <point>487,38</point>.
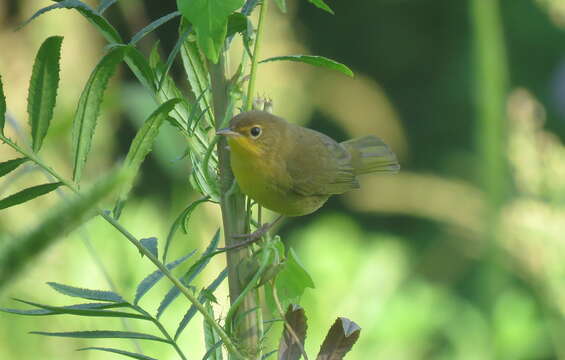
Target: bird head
<point>255,132</point>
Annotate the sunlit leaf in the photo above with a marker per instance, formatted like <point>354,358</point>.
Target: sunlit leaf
<point>152,26</point>
<point>102,334</point>
<point>43,87</point>
<point>151,244</point>
<point>101,295</point>
<point>182,219</point>
<point>140,68</point>
<point>2,108</point>
<point>28,194</point>
<point>292,280</point>
<point>120,352</point>
<point>289,348</point>
<point>141,146</point>
<point>146,284</point>
<point>8,166</point>
<point>322,5</point>
<point>89,107</point>
<point>342,336</point>
<point>314,60</point>
<point>192,310</point>
<point>83,311</point>
<point>58,222</point>
<point>100,22</point>
<point>210,19</point>
<point>211,338</point>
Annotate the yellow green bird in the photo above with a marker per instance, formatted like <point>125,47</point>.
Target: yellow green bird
<point>293,170</point>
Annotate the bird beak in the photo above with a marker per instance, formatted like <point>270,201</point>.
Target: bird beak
<point>227,132</point>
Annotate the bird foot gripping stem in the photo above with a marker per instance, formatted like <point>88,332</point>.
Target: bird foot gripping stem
<point>253,237</point>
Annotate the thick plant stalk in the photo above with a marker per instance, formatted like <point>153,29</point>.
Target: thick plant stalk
<point>248,330</point>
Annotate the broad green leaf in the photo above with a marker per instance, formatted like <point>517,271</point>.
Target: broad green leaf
<point>146,284</point>
<point>210,20</point>
<point>340,339</point>
<point>101,295</point>
<point>211,338</point>
<point>192,310</point>
<point>151,244</point>
<point>282,5</point>
<point>8,166</point>
<point>292,280</point>
<point>322,5</point>
<point>58,222</point>
<point>141,146</point>
<point>102,334</point>
<point>101,23</point>
<point>182,219</point>
<point>28,194</point>
<point>289,349</point>
<point>43,87</point>
<point>89,107</point>
<point>120,352</point>
<point>44,312</point>
<point>2,108</point>
<point>86,312</point>
<point>314,60</point>
<point>151,27</point>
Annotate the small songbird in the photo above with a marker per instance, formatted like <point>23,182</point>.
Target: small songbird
<point>293,170</point>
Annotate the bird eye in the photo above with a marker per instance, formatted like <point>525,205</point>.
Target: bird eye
<point>255,131</point>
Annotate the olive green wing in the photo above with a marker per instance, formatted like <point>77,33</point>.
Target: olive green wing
<point>318,165</point>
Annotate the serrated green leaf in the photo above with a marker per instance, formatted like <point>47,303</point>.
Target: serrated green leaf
<point>94,312</point>
<point>2,108</point>
<point>146,284</point>
<point>151,245</point>
<point>43,87</point>
<point>101,23</point>
<point>120,352</point>
<point>8,166</point>
<point>289,348</point>
<point>89,106</point>
<point>44,312</point>
<point>140,68</point>
<point>292,280</point>
<point>198,78</point>
<point>58,222</point>
<point>211,338</point>
<point>192,310</point>
<point>340,339</point>
<point>28,194</point>
<point>314,60</point>
<point>190,275</point>
<point>210,19</point>
<point>182,219</point>
<point>152,26</point>
<point>101,295</point>
<point>282,5</point>
<point>141,146</point>
<point>322,5</point>
<point>102,334</point>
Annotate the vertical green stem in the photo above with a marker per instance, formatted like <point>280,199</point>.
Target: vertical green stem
<point>490,96</point>
<point>255,59</point>
<point>234,218</point>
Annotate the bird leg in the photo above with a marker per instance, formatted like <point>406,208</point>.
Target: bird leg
<point>252,237</point>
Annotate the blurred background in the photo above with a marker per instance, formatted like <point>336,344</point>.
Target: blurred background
<point>459,256</point>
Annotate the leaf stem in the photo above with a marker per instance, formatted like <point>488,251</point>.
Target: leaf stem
<point>255,58</point>
<point>132,239</point>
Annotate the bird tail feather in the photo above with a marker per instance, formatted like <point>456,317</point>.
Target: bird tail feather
<point>369,154</point>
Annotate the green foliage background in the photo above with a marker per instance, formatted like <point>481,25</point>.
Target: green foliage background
<point>419,260</point>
